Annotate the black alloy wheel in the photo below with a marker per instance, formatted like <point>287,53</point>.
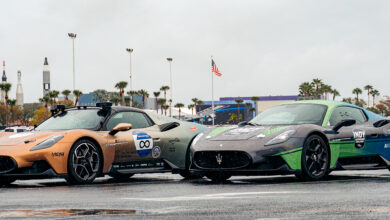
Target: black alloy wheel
<point>315,159</point>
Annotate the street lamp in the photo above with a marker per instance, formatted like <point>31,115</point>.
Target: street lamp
<point>171,86</point>
<point>130,50</point>
<point>73,36</point>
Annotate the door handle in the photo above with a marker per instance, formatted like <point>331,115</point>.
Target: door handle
<point>156,139</point>
<point>374,135</point>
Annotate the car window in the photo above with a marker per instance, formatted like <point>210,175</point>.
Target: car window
<point>343,113</point>
<point>20,130</point>
<point>136,119</point>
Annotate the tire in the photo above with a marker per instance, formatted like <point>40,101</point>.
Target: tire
<point>120,176</point>
<point>186,174</point>
<point>315,159</point>
<point>218,176</point>
<point>5,181</point>
<point>84,162</point>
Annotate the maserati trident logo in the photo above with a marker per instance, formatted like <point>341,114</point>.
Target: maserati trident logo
<point>219,159</point>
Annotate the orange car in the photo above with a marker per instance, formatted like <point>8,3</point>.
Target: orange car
<point>83,143</point>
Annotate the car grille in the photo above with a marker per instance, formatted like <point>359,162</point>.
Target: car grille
<point>7,164</point>
<point>221,159</point>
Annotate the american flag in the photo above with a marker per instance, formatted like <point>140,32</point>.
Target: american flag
<point>215,69</point>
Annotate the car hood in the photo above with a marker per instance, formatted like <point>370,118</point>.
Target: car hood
<point>242,133</point>
<point>32,136</point>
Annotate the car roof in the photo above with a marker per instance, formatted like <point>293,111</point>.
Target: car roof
<point>328,103</point>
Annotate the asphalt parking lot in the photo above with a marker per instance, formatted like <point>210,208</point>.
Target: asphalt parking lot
<point>344,195</point>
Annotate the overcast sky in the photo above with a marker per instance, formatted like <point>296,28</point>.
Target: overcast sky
<point>261,47</point>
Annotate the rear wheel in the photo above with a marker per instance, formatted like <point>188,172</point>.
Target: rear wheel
<point>5,181</point>
<point>218,176</point>
<point>315,159</point>
<point>84,162</point>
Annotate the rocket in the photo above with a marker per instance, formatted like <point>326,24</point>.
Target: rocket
<point>19,91</point>
<point>46,77</point>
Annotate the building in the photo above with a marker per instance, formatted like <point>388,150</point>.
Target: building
<point>19,91</point>
<point>3,80</point>
<point>46,77</point>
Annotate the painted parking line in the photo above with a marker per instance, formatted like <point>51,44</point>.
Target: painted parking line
<point>215,196</point>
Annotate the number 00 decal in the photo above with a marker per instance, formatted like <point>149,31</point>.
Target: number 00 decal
<point>143,143</point>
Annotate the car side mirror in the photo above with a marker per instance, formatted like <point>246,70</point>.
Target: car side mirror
<point>344,123</point>
<point>120,127</point>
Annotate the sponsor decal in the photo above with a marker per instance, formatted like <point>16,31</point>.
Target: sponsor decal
<point>116,144</point>
<point>143,143</point>
<point>360,137</point>
<point>387,145</point>
<point>156,152</point>
<point>25,134</point>
<point>193,128</point>
<point>57,154</point>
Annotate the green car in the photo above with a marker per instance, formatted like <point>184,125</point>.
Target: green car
<point>306,138</point>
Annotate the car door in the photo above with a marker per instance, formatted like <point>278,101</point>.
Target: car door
<point>355,140</point>
<point>136,144</point>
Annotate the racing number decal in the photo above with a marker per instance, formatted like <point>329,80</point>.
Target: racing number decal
<point>360,137</point>
<point>143,143</point>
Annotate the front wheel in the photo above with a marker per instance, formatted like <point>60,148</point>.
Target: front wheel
<point>218,176</point>
<point>84,162</point>
<point>315,158</point>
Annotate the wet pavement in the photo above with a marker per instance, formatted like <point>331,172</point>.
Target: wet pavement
<point>344,195</point>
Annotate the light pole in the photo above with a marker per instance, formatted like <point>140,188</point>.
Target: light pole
<point>73,36</point>
<point>130,50</point>
<point>171,86</point>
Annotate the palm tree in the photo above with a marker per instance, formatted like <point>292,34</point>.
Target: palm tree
<point>11,103</point>
<point>156,95</point>
<point>255,99</point>
<point>77,94</point>
<point>100,95</point>
<point>374,93</point>
<point>162,102</point>
<point>191,107</point>
<point>115,100</point>
<point>121,86</point>
<point>6,87</point>
<point>53,95</point>
<point>179,105</point>
<point>46,100</point>
<point>132,93</point>
<point>317,83</point>
<point>164,89</point>
<point>199,102</point>
<point>357,92</point>
<point>347,100</point>
<point>170,109</point>
<point>195,100</point>
<point>238,101</point>
<point>369,88</point>
<point>306,89</point>
<point>335,93</point>
<point>144,95</point>
<point>326,89</point>
<point>166,108</point>
<point>66,93</point>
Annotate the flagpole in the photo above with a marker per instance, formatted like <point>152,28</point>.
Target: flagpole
<point>212,92</point>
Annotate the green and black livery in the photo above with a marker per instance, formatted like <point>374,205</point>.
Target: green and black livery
<point>306,138</point>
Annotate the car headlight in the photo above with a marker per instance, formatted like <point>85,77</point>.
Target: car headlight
<point>47,143</point>
<point>281,137</point>
<point>196,139</point>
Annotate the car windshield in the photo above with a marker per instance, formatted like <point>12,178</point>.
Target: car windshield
<point>73,119</point>
<point>291,114</point>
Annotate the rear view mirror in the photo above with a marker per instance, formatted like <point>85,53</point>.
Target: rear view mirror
<point>344,123</point>
<point>120,127</point>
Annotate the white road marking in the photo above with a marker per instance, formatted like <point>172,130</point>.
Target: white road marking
<point>211,196</point>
